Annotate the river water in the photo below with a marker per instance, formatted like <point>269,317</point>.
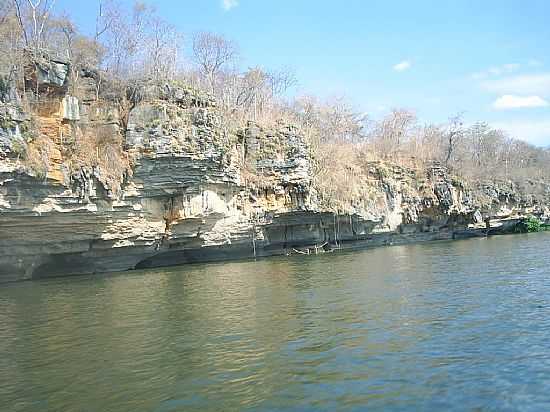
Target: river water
<point>461,325</point>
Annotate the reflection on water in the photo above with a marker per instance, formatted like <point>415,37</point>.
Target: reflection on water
<point>449,325</point>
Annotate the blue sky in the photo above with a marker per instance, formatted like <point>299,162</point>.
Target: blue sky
<point>487,58</point>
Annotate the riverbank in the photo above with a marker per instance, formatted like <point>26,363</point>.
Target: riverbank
<point>177,182</point>
<point>82,263</point>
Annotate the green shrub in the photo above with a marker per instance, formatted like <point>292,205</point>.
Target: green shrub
<point>19,148</point>
<point>529,225</point>
<point>6,123</point>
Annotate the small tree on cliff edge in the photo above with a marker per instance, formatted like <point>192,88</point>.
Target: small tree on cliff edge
<point>454,135</point>
<point>211,53</point>
<point>33,16</point>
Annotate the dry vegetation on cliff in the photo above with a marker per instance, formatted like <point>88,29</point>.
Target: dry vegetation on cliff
<point>132,48</point>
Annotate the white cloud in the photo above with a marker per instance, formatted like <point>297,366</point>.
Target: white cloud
<point>533,131</point>
<point>531,84</point>
<point>229,4</point>
<point>497,71</point>
<point>402,66</point>
<point>510,101</point>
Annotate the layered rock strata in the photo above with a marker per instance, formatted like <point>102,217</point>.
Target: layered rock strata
<point>196,190</point>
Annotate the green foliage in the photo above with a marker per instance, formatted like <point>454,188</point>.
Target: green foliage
<point>6,123</point>
<point>19,148</point>
<point>529,225</point>
<point>156,122</point>
<point>28,131</point>
<point>383,172</point>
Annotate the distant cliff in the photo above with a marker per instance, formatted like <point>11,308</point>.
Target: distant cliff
<point>92,184</point>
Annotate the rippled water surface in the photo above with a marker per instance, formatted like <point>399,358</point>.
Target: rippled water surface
<point>459,325</point>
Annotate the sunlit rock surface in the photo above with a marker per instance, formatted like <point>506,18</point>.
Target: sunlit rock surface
<point>189,197</point>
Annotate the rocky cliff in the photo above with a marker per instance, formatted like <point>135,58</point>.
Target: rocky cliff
<point>88,185</point>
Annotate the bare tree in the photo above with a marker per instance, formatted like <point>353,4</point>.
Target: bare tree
<point>392,131</point>
<point>281,81</point>
<point>430,143</point>
<point>454,134</point>
<point>341,122</point>
<point>333,121</point>
<point>104,17</point>
<point>124,38</point>
<point>33,17</point>
<point>212,53</point>
<point>251,94</point>
<point>162,48</point>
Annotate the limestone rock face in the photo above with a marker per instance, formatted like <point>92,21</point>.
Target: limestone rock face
<point>70,108</point>
<point>47,74</point>
<point>12,121</point>
<point>200,190</point>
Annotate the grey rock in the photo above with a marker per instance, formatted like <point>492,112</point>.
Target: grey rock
<point>188,197</point>
<point>70,108</point>
<point>52,72</point>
